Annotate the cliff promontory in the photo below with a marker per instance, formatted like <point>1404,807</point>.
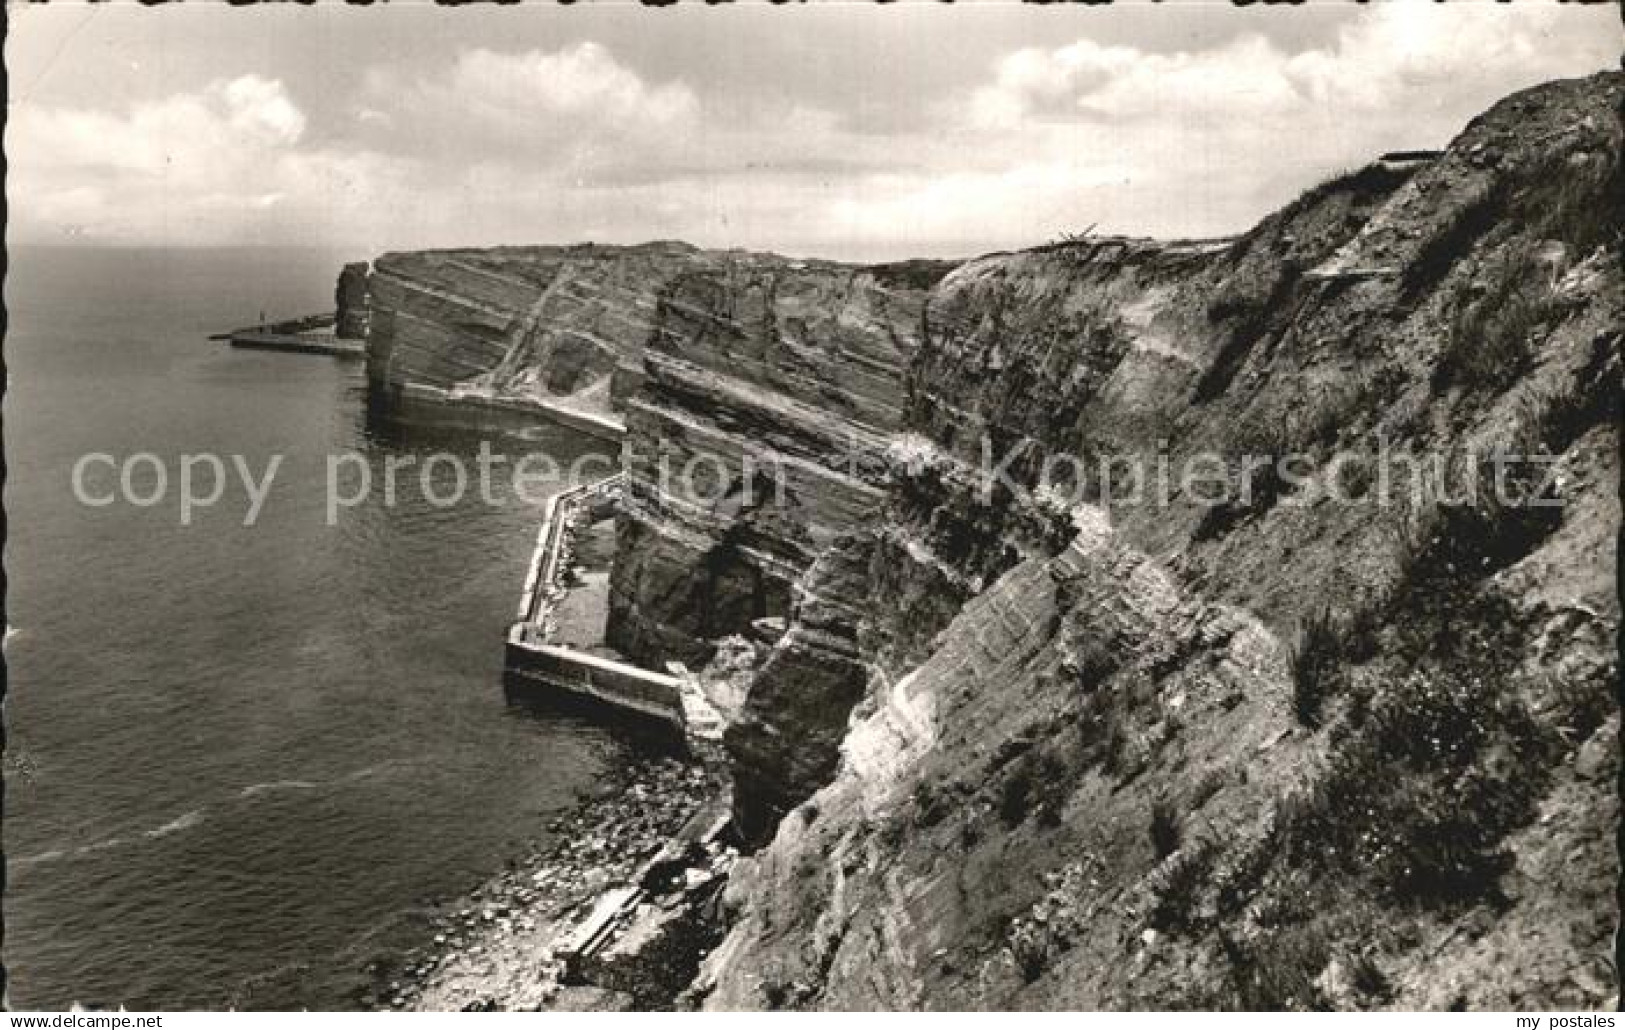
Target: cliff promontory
<point>522,322</point>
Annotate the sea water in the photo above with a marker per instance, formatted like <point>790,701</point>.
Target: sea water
<point>243,759</point>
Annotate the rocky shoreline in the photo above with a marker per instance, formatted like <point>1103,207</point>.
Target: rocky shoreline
<point>496,948</point>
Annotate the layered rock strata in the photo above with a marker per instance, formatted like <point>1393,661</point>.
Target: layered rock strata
<point>757,439</point>
<point>350,302</point>
<point>541,322</point>
<point>1284,747</point>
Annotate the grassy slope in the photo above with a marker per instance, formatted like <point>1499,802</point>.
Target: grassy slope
<point>1272,755</point>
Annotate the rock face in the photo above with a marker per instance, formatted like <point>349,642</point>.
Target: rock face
<point>755,440</point>
<point>785,741</point>
<point>350,300</point>
<point>571,324</point>
<point>1287,747</point>
<point>759,395</point>
<point>563,323</point>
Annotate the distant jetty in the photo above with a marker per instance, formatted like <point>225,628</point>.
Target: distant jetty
<point>312,334</point>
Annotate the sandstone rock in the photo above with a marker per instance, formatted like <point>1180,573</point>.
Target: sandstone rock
<point>525,321</point>
<point>786,739</point>
<point>977,697</point>
<point>351,304</point>
<point>755,440</point>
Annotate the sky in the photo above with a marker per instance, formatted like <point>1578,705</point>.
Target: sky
<point>843,130</point>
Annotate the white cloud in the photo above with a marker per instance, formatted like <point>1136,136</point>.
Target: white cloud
<point>582,82</point>
<point>187,130</point>
<point>1398,55</point>
<point>1206,141</point>
<point>259,109</point>
<point>224,164</point>
<point>555,145</point>
<point>578,105</point>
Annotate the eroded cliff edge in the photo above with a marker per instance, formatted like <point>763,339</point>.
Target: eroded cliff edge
<point>757,394</point>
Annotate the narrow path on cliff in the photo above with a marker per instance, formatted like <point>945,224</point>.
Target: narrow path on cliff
<point>520,336</point>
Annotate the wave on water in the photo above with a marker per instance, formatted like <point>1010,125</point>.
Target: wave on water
<point>258,789</point>
<point>44,856</point>
<point>185,821</point>
<point>176,825</point>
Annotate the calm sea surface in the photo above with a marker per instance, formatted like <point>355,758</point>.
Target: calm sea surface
<point>242,759</point>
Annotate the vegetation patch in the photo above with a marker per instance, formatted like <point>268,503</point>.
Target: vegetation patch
<point>1420,796</point>
<point>1576,197</point>
<point>1372,182</point>
<point>1454,241</point>
<point>1164,828</point>
<point>1593,399</point>
<point>1316,649</point>
<point>1251,317</point>
<point>1275,971</point>
<point>1493,335</point>
<point>1178,887</point>
<point>1039,781</point>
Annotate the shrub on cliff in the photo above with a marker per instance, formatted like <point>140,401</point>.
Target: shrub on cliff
<point>1178,884</point>
<point>1090,661</point>
<point>932,803</point>
<point>1275,971</point>
<point>1029,945</point>
<point>1315,652</point>
<point>1039,782</point>
<point>1492,336</point>
<point>1421,794</point>
<point>1164,828</point>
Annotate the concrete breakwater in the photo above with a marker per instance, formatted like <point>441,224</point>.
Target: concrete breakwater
<point>534,659</point>
<point>312,334</point>
<point>639,937</point>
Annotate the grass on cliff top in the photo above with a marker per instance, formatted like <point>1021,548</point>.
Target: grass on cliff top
<point>1371,182</point>
<point>916,274</point>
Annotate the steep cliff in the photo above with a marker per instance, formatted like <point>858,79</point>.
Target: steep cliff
<point>570,324</point>
<point>756,439</point>
<point>552,323</point>
<point>1319,726</point>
